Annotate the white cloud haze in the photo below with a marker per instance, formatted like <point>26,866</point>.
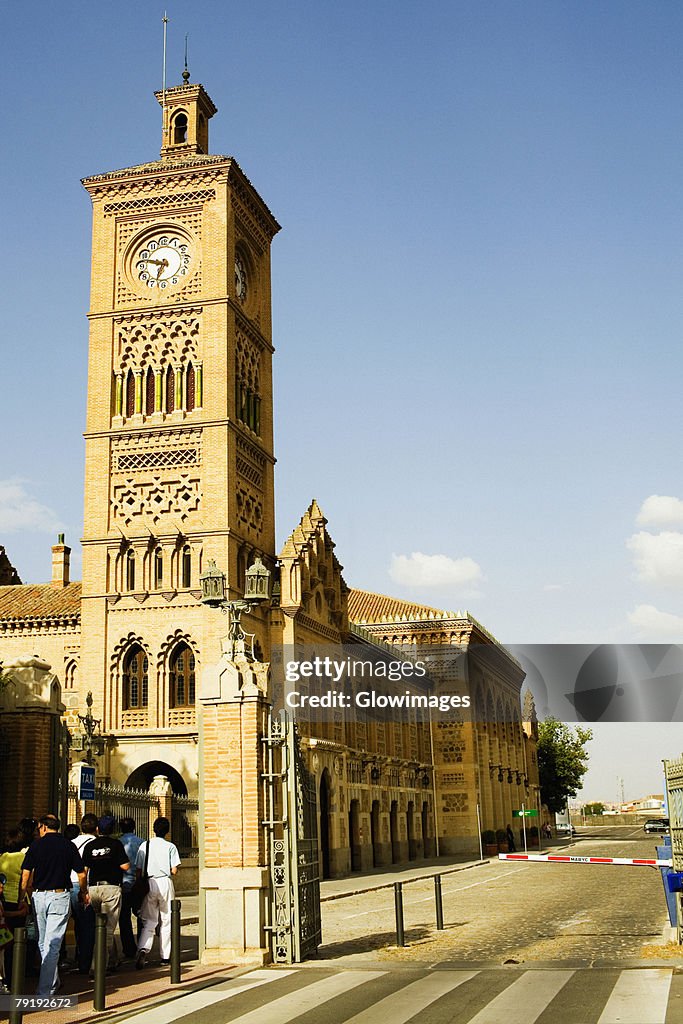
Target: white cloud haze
<point>661,510</point>
<point>653,624</point>
<point>658,557</point>
<point>419,570</point>
<point>19,512</point>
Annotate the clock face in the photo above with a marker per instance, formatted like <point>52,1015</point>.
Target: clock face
<point>162,261</point>
<point>240,280</point>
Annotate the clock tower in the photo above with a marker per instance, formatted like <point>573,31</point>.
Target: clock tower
<point>179,434</point>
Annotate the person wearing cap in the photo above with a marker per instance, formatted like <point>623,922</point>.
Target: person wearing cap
<point>105,860</point>
<point>46,871</point>
<point>131,844</point>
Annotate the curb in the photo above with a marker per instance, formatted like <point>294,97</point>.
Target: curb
<point>406,881</point>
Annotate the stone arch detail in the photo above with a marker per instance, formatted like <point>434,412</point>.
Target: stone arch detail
<point>170,717</point>
<point>119,718</point>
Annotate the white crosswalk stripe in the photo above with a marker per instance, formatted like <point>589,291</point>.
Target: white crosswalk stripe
<point>168,1012</point>
<point>294,1004</point>
<point>639,997</point>
<point>409,1001</point>
<point>524,1000</point>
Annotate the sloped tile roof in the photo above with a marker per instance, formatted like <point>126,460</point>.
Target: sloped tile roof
<point>40,601</point>
<point>366,607</point>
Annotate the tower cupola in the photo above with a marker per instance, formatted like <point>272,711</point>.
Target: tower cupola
<point>186,112</point>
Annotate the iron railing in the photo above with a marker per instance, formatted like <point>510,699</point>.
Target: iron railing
<point>185,825</point>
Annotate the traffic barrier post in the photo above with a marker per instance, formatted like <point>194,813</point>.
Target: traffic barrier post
<point>175,942</point>
<point>439,902</point>
<point>18,971</point>
<point>100,961</point>
<point>398,903</point>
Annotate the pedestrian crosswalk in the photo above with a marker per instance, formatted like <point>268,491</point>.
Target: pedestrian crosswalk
<point>440,995</point>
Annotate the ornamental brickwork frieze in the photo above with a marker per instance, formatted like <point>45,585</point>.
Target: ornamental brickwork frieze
<point>249,510</point>
<point>250,463</point>
<point>156,450</point>
<point>146,340</point>
<point>155,497</point>
<point>160,203</point>
<point>248,360</point>
<point>111,186</point>
<point>248,212</point>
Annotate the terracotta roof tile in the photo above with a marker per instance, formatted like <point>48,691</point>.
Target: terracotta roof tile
<point>366,607</point>
<point>40,601</point>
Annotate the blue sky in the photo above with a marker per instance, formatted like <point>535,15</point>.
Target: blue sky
<point>476,292</point>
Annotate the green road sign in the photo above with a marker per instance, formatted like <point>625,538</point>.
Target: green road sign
<point>528,812</point>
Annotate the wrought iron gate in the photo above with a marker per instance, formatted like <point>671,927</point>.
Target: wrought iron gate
<point>292,828</point>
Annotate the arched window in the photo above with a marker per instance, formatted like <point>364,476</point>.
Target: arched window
<point>179,129</point>
<point>135,679</point>
<point>186,567</point>
<point>190,388</point>
<point>158,568</point>
<point>130,393</point>
<point>149,391</point>
<point>170,389</point>
<point>130,570</point>
<point>181,677</point>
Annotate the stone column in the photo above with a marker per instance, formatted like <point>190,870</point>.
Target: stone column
<point>233,865</point>
<point>160,787</point>
<point>30,764</point>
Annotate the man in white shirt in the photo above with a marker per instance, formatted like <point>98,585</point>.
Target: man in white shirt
<point>163,861</point>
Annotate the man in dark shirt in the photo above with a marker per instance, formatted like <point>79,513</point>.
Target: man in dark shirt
<point>106,860</point>
<point>46,871</point>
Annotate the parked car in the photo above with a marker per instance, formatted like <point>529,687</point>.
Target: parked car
<point>656,825</point>
<point>565,829</point>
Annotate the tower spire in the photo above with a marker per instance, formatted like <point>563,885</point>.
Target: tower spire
<point>186,73</point>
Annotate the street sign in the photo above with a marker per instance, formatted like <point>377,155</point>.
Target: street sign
<point>526,812</point>
<point>86,783</point>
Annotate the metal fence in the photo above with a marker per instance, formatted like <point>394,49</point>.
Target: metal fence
<point>185,825</point>
<point>137,804</point>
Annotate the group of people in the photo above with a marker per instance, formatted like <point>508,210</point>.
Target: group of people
<point>47,877</point>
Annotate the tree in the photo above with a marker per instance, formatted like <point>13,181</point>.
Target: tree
<point>593,810</point>
<point>562,761</point>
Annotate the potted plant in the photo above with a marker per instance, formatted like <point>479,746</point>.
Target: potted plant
<point>532,835</point>
<point>488,839</point>
<point>502,840</point>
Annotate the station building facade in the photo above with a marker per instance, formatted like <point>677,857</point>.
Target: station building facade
<point>179,472</point>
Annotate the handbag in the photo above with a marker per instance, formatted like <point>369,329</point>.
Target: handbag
<point>140,887</point>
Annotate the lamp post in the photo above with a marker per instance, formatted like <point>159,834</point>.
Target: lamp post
<point>256,590</point>
<point>90,738</point>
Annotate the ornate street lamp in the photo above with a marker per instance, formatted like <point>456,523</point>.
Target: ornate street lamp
<point>256,589</point>
<point>90,738</point>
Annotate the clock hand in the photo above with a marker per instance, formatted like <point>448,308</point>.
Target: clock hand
<point>162,266</point>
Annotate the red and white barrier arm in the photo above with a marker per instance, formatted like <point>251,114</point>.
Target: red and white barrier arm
<point>552,858</point>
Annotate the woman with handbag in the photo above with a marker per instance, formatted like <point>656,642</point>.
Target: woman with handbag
<point>158,860</point>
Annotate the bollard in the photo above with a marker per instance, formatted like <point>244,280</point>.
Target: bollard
<point>100,959</point>
<point>398,902</point>
<point>439,902</point>
<point>18,971</point>
<point>175,942</point>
